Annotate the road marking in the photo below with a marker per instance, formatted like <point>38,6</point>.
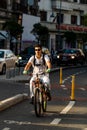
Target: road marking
<point>64,111</point>
<point>6,128</point>
<point>55,121</point>
<point>70,76</point>
<point>27,84</point>
<point>63,85</point>
<point>17,122</point>
<point>83,89</point>
<point>68,107</point>
<point>65,88</point>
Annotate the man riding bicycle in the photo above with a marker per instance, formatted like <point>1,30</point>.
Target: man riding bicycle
<point>41,64</point>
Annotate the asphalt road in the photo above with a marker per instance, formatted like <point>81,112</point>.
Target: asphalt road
<point>62,113</point>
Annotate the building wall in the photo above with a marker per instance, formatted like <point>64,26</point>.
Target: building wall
<point>68,8</point>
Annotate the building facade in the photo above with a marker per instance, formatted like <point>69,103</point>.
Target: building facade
<point>65,20</point>
<point>8,10</point>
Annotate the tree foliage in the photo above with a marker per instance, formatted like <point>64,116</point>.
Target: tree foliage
<point>14,31</point>
<point>40,32</point>
<point>13,27</point>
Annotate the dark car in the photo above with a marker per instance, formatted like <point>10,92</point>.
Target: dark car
<point>24,56</point>
<point>71,56</point>
<point>54,57</point>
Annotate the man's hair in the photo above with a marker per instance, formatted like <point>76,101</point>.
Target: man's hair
<point>38,45</point>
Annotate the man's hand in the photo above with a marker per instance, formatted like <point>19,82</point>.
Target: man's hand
<point>25,72</point>
<point>48,70</point>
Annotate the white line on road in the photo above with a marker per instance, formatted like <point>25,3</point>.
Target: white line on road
<point>83,89</point>
<point>55,121</point>
<point>6,128</point>
<point>64,111</point>
<point>68,107</point>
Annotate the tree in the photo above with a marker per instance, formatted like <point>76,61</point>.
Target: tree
<point>85,20</point>
<point>41,33</point>
<point>14,29</point>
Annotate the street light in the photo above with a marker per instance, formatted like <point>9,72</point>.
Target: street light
<point>59,24</point>
<point>58,17</point>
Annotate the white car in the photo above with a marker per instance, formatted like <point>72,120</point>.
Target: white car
<point>7,60</point>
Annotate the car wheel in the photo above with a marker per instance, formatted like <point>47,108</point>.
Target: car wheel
<point>4,69</point>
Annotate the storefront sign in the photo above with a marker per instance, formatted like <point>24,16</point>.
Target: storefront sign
<point>72,28</point>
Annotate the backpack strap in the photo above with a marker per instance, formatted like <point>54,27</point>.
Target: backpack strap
<point>34,60</point>
<point>42,57</point>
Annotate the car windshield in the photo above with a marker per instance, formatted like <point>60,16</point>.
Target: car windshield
<point>1,54</point>
<point>69,51</point>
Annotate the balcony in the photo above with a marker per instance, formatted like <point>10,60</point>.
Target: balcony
<point>67,6</point>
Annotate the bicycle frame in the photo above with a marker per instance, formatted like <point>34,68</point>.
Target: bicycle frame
<point>40,97</point>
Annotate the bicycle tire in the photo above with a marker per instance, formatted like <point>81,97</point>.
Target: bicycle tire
<point>37,102</point>
<point>44,103</point>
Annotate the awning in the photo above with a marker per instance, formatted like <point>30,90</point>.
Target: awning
<point>3,35</point>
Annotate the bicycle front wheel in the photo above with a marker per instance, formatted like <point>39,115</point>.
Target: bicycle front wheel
<point>37,102</point>
<point>44,102</point>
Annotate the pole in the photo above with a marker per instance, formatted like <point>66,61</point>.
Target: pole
<point>60,76</point>
<point>59,23</point>
<point>73,88</point>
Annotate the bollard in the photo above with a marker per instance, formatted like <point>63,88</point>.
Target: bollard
<point>60,75</point>
<point>8,75</point>
<point>73,88</point>
<point>17,71</point>
<point>12,71</point>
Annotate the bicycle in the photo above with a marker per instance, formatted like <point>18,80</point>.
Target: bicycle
<point>40,96</point>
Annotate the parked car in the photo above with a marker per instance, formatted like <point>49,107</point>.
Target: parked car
<point>7,60</point>
<point>27,53</point>
<point>71,56</point>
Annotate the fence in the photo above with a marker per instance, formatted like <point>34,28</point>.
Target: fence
<point>12,72</point>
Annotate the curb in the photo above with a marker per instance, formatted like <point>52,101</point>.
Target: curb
<point>4,104</point>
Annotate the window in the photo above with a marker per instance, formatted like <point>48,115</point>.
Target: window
<point>3,4</point>
<point>83,1</point>
<point>82,20</point>
<point>43,15</point>
<point>75,1</point>
<point>73,19</point>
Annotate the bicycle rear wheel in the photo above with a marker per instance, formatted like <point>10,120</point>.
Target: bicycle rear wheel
<point>37,102</point>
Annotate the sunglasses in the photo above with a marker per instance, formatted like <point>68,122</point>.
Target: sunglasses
<point>37,49</point>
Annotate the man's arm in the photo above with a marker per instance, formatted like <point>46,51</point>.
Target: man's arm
<point>27,67</point>
<point>48,64</point>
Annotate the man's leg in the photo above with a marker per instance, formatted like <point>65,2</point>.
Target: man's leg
<point>31,90</point>
<point>46,82</point>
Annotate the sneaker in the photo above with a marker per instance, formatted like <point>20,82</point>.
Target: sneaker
<point>32,100</point>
